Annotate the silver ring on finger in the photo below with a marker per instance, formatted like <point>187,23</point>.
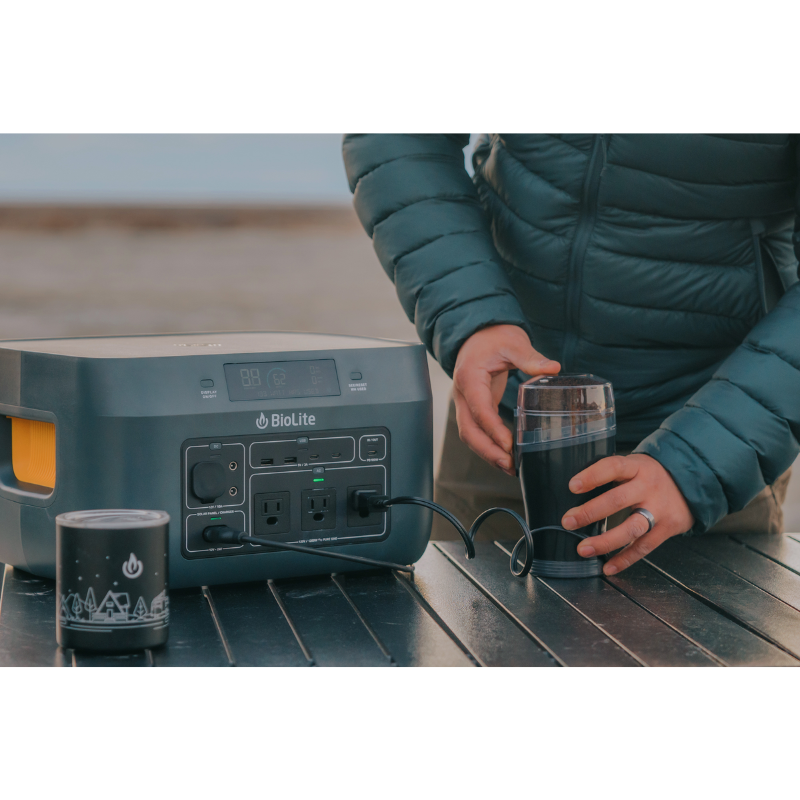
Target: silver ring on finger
<point>651,520</point>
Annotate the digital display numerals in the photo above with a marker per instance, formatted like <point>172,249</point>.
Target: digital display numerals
<point>316,374</point>
<point>250,377</point>
<point>274,380</point>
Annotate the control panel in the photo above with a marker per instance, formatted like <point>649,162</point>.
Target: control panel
<point>294,487</point>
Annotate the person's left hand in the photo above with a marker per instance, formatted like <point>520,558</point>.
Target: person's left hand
<point>641,482</point>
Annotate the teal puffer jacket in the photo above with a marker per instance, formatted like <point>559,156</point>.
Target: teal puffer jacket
<point>663,263</point>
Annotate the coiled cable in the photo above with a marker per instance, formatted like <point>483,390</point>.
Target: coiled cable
<point>526,540</point>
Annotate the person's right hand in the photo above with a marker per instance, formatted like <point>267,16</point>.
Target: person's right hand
<point>479,380</point>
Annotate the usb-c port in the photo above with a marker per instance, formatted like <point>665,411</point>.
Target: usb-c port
<point>336,455</point>
<point>313,457</point>
<point>372,452</point>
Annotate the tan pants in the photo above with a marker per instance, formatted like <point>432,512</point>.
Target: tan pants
<point>466,485</point>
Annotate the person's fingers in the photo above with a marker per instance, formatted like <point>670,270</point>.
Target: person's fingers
<point>620,536</point>
<point>608,503</point>
<point>638,549</point>
<point>481,404</point>
<point>477,439</point>
<point>475,388</point>
<point>613,468</point>
<point>523,356</point>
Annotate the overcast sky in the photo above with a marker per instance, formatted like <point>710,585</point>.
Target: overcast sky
<point>301,168</point>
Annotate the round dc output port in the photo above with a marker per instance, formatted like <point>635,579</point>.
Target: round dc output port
<point>232,466</point>
<point>233,491</point>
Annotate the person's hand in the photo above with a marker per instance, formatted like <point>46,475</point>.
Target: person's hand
<point>641,483</point>
<point>479,380</point>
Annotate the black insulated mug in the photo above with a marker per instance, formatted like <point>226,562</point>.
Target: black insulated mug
<point>564,424</point>
<point>111,579</point>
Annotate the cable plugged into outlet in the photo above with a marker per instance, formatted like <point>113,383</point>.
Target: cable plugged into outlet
<point>362,505</point>
<point>221,534</point>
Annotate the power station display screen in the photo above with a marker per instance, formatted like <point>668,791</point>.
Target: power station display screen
<point>276,380</point>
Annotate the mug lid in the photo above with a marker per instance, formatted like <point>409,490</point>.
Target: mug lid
<point>556,410</point>
<point>567,394</point>
<point>113,518</point>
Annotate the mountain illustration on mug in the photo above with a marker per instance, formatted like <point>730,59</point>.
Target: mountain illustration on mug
<point>114,610</point>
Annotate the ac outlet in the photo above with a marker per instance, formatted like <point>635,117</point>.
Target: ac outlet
<point>318,509</point>
<point>271,513</point>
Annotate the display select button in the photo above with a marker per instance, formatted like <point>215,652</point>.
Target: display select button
<point>372,448</point>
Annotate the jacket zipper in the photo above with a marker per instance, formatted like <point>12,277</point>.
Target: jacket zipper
<point>587,216</point>
<point>762,289</point>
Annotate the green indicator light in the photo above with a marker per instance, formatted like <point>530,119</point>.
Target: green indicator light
<point>212,519</point>
<point>317,480</point>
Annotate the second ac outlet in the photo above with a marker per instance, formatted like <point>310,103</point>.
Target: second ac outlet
<point>318,509</point>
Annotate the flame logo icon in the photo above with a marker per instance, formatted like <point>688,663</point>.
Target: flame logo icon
<point>132,568</point>
<point>261,422</point>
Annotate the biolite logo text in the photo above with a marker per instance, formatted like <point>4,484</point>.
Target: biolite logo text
<point>280,420</point>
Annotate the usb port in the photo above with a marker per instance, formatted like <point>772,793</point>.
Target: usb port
<point>336,455</point>
<point>372,452</point>
<point>313,457</point>
<point>290,460</point>
<point>267,462</point>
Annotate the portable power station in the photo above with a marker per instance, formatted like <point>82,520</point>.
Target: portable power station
<point>265,433</point>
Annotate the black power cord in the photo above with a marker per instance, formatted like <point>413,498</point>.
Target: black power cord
<point>366,500</point>
<point>299,548</point>
<point>223,534</point>
<point>373,500</point>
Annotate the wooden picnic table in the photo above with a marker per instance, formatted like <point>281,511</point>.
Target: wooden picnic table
<point>696,601</point>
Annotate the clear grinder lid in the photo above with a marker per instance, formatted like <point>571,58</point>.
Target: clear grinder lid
<point>556,410</point>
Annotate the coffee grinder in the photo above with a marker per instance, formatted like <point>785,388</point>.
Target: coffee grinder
<point>564,424</point>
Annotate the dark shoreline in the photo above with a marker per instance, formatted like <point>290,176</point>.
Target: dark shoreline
<point>54,217</point>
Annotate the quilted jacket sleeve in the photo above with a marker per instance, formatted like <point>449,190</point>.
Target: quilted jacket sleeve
<point>417,202</point>
<point>741,430</point>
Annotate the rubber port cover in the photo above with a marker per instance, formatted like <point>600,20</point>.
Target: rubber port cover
<point>208,481</point>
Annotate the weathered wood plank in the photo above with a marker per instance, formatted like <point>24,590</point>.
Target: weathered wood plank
<point>489,634</point>
<point>400,622</point>
<point>328,624</point>
<point>781,548</point>
<point>737,597</point>
<point>759,570</point>
<point>28,622</point>
<point>732,644</point>
<point>257,632</point>
<point>647,637</point>
<point>193,639</point>
<point>559,628</point>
